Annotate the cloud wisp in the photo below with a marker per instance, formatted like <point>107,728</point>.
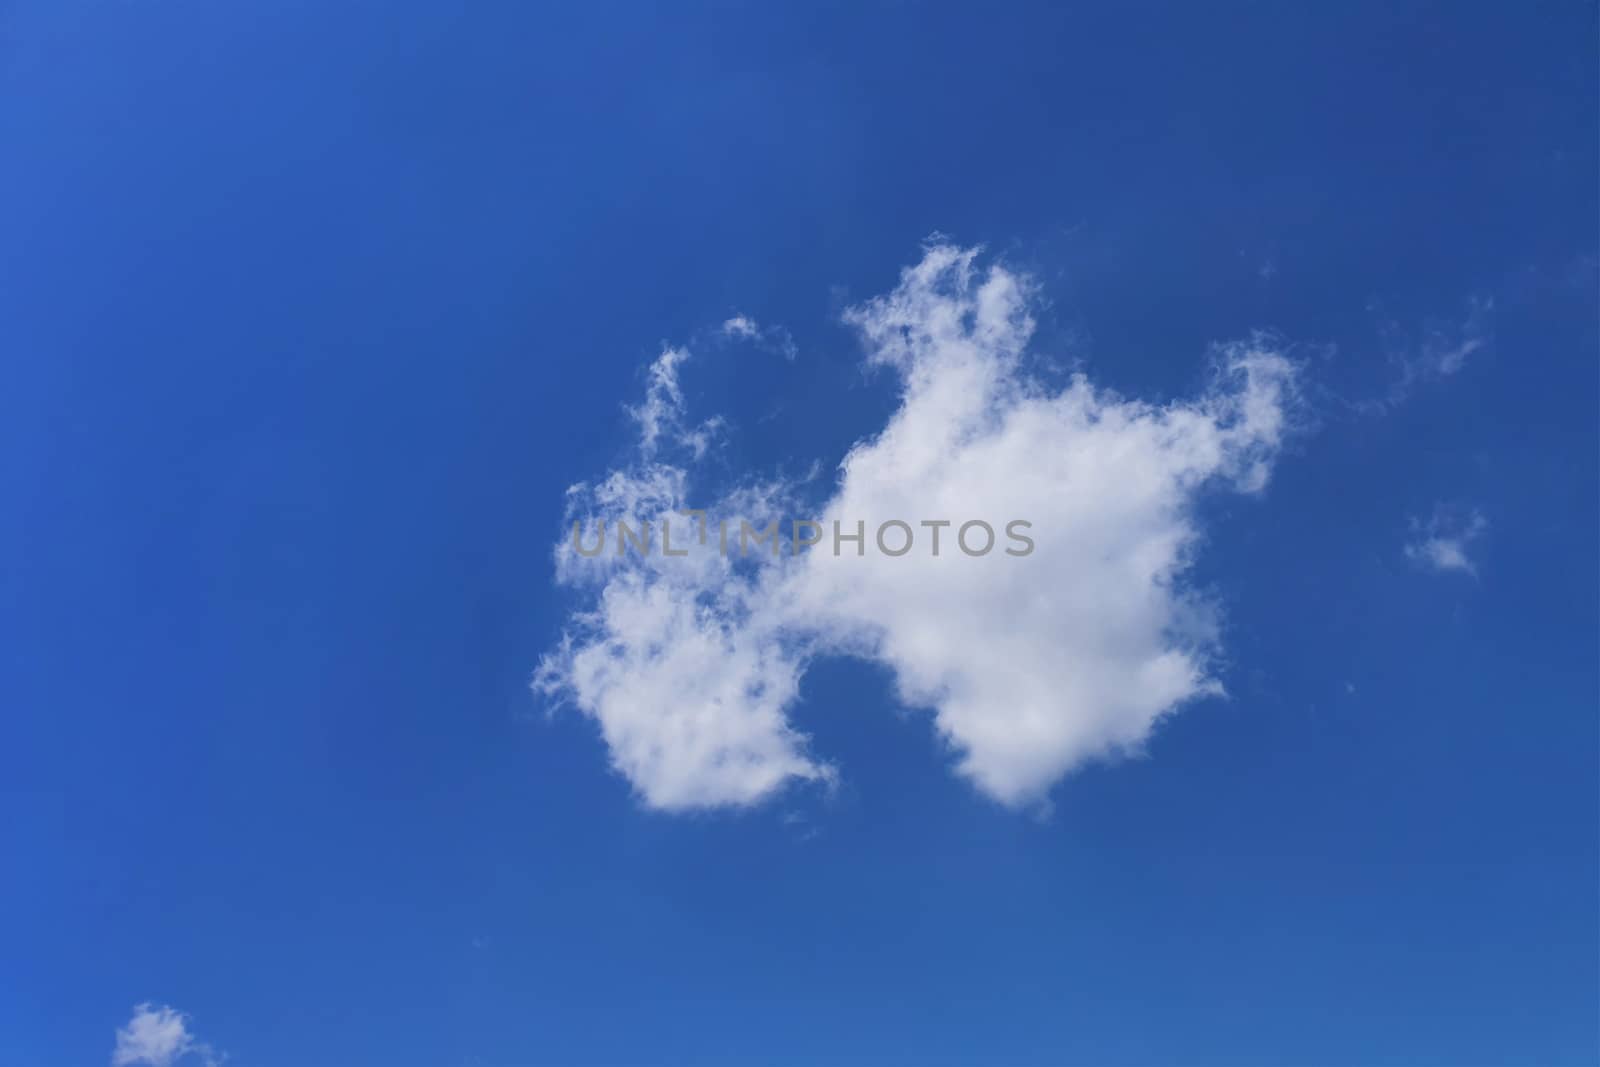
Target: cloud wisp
<point>1441,352</point>
<point>662,412</point>
<point>775,338</point>
<point>1028,667</point>
<point>1444,543</point>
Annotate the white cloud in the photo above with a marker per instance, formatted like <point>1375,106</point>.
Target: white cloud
<point>678,659</point>
<point>1038,664</point>
<point>741,326</point>
<point>159,1037</point>
<point>1030,665</point>
<point>1444,542</point>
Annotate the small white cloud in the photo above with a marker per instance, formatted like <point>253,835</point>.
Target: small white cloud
<point>159,1036</point>
<point>740,326</point>
<point>1444,542</point>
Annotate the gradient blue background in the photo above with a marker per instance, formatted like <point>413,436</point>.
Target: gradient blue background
<point>311,312</point>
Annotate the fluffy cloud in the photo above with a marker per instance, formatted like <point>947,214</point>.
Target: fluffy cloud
<point>159,1037</point>
<point>1030,665</point>
<point>1034,665</point>
<point>1444,542</point>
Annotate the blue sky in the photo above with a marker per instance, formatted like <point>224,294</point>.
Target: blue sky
<point>314,313</point>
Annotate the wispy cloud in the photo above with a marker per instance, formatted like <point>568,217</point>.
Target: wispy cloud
<point>159,1036</point>
<point>1028,667</point>
<point>775,338</point>
<point>1442,351</point>
<point>1444,541</point>
<point>661,415</point>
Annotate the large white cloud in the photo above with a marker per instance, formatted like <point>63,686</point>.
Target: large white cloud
<point>1030,664</point>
